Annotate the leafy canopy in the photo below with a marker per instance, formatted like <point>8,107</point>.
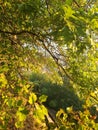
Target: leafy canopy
<point>57,37</point>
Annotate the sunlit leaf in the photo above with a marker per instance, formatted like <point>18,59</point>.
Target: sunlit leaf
<point>43,98</point>
<point>32,98</point>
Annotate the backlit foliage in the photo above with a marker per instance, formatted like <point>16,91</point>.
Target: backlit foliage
<point>56,38</point>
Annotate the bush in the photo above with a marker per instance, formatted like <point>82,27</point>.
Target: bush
<point>58,96</point>
<point>72,113</point>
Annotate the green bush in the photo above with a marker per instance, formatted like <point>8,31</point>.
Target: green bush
<point>58,96</point>
<point>72,112</point>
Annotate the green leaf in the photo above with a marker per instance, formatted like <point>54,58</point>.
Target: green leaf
<point>32,98</point>
<point>43,98</point>
<point>20,116</point>
<point>19,124</point>
<point>60,112</point>
<point>68,12</point>
<point>19,102</point>
<point>69,2</point>
<point>40,112</point>
<point>63,128</point>
<point>25,111</point>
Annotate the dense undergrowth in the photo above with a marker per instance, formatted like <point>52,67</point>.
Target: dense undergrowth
<point>71,112</point>
<point>58,96</point>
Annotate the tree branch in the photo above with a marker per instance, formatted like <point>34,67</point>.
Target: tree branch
<point>76,3</point>
<point>94,98</point>
<point>18,32</point>
<point>56,61</point>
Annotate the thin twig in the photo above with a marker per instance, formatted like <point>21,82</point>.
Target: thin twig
<point>76,3</point>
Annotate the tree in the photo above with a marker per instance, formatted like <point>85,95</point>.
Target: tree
<point>65,30</point>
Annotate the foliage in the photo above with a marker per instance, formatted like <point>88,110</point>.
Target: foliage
<point>72,113</point>
<point>75,120</point>
<point>58,96</point>
<point>56,37</point>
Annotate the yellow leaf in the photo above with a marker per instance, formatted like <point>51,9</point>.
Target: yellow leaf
<point>32,98</point>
